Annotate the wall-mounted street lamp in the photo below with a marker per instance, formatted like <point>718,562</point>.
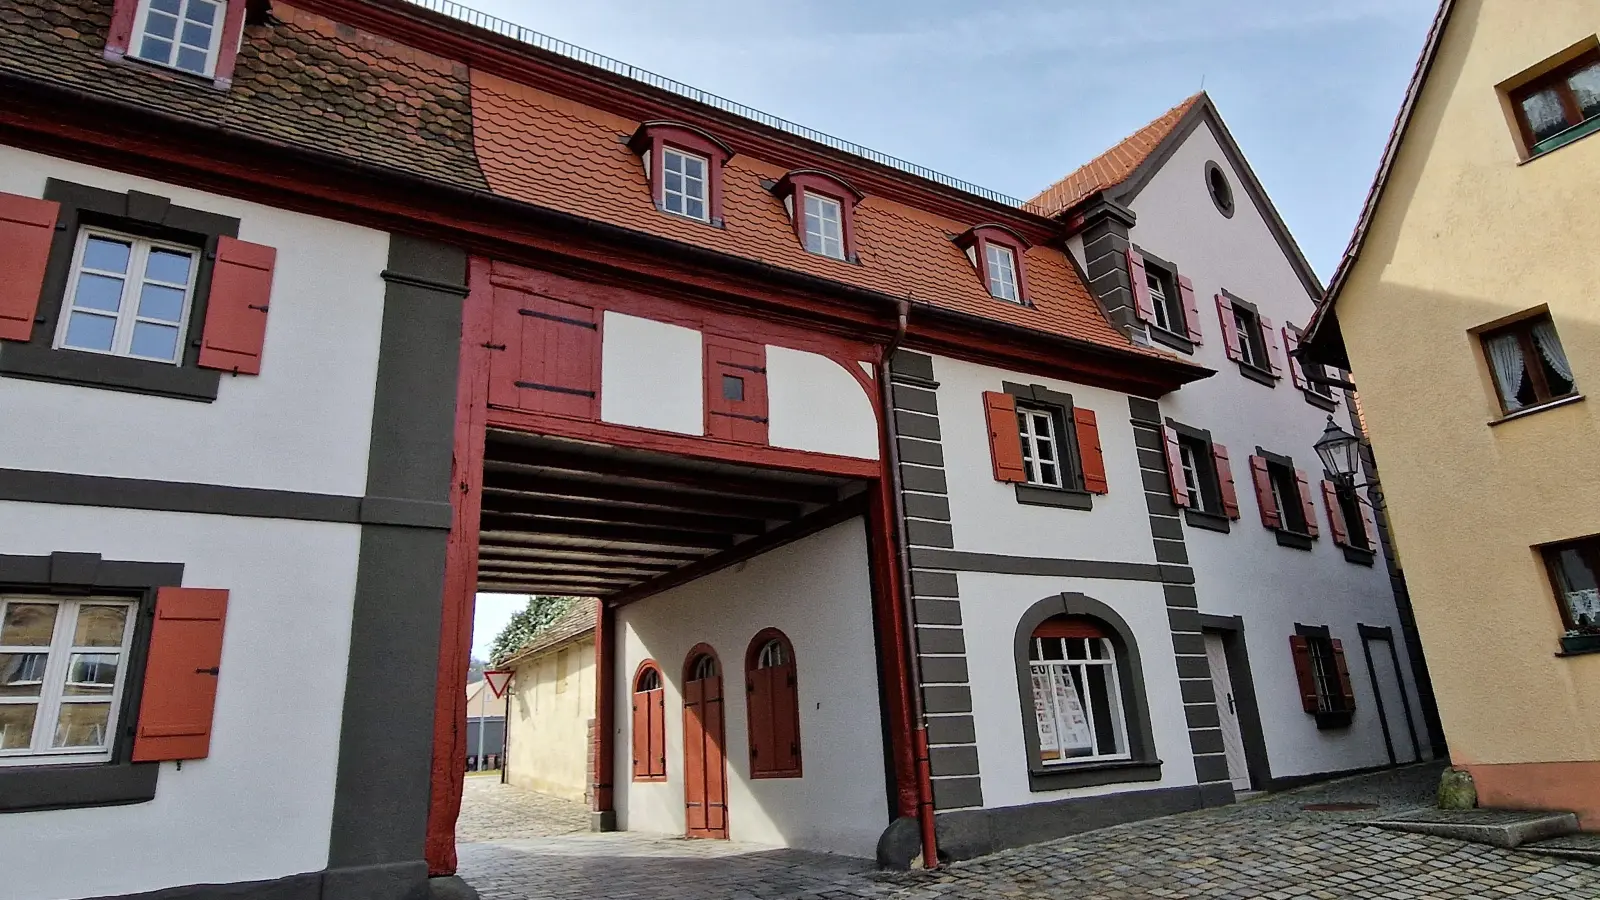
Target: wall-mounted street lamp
<point>1340,452</point>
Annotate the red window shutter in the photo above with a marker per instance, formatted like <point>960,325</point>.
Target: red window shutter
<point>1180,486</point>
<point>694,753</point>
<point>236,311</point>
<point>1330,499</point>
<point>544,355</point>
<point>658,733</point>
<point>1263,482</point>
<point>181,672</point>
<point>786,719</point>
<point>716,771</point>
<point>1308,503</point>
<point>1290,342</point>
<point>1230,329</point>
<point>641,734</point>
<point>1269,336</point>
<point>736,390</point>
<point>27,226</point>
<point>1005,441</point>
<point>123,12</point>
<point>759,690</point>
<point>1230,495</point>
<point>1348,692</point>
<point>1191,308</point>
<point>1300,649</point>
<point>1089,454</point>
<point>1371,526</point>
<point>1142,304</point>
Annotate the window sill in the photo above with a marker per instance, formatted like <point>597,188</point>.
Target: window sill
<point>1530,410</point>
<point>1359,556</point>
<point>1579,644</point>
<point>1326,404</point>
<point>28,788</point>
<point>1257,374</point>
<point>794,773</point>
<point>1123,771</point>
<point>1171,339</point>
<point>660,779</point>
<point>713,222</point>
<point>1038,495</point>
<point>1293,539</point>
<point>116,373</point>
<point>1578,132</point>
<point>1209,521</point>
<point>1329,721</point>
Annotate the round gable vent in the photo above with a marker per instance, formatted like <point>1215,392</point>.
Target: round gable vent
<point>1219,188</point>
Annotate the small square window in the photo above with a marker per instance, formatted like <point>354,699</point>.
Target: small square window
<point>1560,106</point>
<point>824,233</point>
<point>1001,263</point>
<point>128,296</point>
<point>1528,364</point>
<point>1041,446</point>
<point>684,184</point>
<point>180,34</point>
<point>63,667</point>
<point>1575,573</point>
<point>732,388</point>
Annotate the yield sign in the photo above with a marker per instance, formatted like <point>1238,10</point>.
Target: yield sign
<point>499,680</point>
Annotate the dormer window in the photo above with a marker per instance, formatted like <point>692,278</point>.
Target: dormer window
<point>822,207</point>
<point>683,165</point>
<point>998,253</point>
<point>197,37</point>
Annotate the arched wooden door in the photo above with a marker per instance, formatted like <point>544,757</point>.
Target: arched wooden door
<point>705,764</point>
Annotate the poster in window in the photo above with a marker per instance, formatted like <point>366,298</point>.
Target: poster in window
<point>1049,747</point>
<point>1063,726</point>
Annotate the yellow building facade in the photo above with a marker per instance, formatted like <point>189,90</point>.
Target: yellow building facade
<point>1468,310</point>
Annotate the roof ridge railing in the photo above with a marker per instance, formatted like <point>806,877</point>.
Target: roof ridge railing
<point>644,76</point>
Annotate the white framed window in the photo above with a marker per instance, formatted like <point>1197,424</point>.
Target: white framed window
<point>1002,267</point>
<point>180,34</point>
<point>1158,299</point>
<point>684,184</point>
<point>824,233</point>
<point>1077,699</point>
<point>772,655</point>
<point>128,296</point>
<point>1041,449</point>
<point>1250,350</point>
<point>1191,476</point>
<point>63,668</point>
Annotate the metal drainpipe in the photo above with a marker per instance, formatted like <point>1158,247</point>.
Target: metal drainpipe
<point>930,845</point>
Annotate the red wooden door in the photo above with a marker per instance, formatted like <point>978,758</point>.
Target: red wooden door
<point>705,782</point>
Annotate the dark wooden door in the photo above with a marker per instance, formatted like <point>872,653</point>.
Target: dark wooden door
<point>705,782</point>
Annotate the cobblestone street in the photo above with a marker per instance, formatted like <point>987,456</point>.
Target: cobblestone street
<point>518,845</point>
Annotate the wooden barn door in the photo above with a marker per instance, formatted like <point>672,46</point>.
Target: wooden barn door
<point>705,780</point>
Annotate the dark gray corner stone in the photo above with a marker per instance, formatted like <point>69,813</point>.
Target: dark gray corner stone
<point>952,730</point>
<point>947,698</point>
<point>1193,667</point>
<point>1205,740</point>
<point>430,260</point>
<point>74,568</point>
<point>943,669</point>
<point>1189,643</point>
<point>916,399</point>
<point>390,881</point>
<point>1171,552</point>
<point>913,364</point>
<point>1148,437</point>
<point>948,761</point>
<point>938,612</point>
<point>955,793</point>
<point>941,640</point>
<point>934,584</point>
<point>1180,595</point>
<point>1219,793</point>
<point>446,887</point>
<point>1156,481</point>
<point>964,835</point>
<point>918,425</point>
<point>921,452</point>
<point>1172,573</point>
<point>603,821</point>
<point>1159,503</point>
<point>1153,460</point>
<point>1202,715</point>
<point>900,844</point>
<point>922,478</point>
<point>1211,767</point>
<point>929,534</point>
<point>927,506</point>
<point>1197,690</point>
<point>1166,528</point>
<point>1144,410</point>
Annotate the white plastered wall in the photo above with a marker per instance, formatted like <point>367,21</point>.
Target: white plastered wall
<point>651,375</point>
<point>817,591</point>
<point>303,424</point>
<point>815,404</point>
<point>548,744</point>
<point>261,805</point>
<point>1245,572</point>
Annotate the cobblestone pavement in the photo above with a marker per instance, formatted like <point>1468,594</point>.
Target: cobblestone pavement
<point>1266,848</point>
<point>494,811</point>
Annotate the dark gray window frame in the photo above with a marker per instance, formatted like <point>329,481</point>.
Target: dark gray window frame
<point>1070,461</point>
<point>1288,537</point>
<point>1258,343</point>
<point>120,781</point>
<point>1226,205</point>
<point>1176,312</point>
<point>1211,482</point>
<point>1144,764</point>
<point>1327,721</point>
<point>1350,502</point>
<point>142,215</point>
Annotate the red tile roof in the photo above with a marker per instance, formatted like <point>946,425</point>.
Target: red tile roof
<point>1112,167</point>
<point>576,622</point>
<point>544,149</point>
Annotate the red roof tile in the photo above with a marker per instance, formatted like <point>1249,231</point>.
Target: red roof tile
<point>1112,167</point>
<point>543,149</point>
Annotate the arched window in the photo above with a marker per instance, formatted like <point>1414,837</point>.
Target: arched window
<point>774,706</point>
<point>649,724</point>
<point>1077,695</point>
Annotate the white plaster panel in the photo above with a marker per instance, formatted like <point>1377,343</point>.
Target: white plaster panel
<point>261,805</point>
<point>303,424</point>
<point>1245,572</point>
<point>651,375</point>
<point>817,591</point>
<point>986,516</point>
<point>991,606</point>
<point>814,404</point>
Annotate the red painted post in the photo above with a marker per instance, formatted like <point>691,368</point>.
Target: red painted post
<point>605,718</point>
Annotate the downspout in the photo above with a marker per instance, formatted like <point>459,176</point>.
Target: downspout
<point>919,734</point>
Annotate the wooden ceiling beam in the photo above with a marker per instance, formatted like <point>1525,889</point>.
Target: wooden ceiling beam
<point>572,487</point>
<point>604,531</point>
<point>580,510</point>
<point>498,453</point>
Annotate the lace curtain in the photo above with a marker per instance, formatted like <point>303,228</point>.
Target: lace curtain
<point>1505,352</point>
<point>1544,337</point>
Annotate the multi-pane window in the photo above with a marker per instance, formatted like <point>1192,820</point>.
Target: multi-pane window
<point>1529,365</point>
<point>1002,267</point>
<point>1325,675</point>
<point>1286,494</point>
<point>1252,347</point>
<point>1076,697</point>
<point>1192,455</point>
<point>1561,106</point>
<point>128,296</point>
<point>182,34</point>
<point>1574,568</point>
<point>1355,523</point>
<point>1041,447</point>
<point>63,666</point>
<point>1166,304</point>
<point>773,654</point>
<point>684,186</point>
<point>824,233</point>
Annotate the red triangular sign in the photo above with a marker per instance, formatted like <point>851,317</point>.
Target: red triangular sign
<point>499,680</point>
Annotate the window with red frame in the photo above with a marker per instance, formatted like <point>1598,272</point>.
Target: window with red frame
<point>199,37</point>
<point>649,724</point>
<point>684,168</point>
<point>998,253</point>
<point>822,207</point>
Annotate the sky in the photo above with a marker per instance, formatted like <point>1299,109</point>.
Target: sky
<point>1014,94</point>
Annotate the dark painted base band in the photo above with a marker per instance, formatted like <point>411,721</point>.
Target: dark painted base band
<point>1290,782</point>
<point>968,833</point>
<point>605,820</point>
<point>391,881</point>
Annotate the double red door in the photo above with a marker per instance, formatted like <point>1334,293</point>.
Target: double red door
<point>705,782</point>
